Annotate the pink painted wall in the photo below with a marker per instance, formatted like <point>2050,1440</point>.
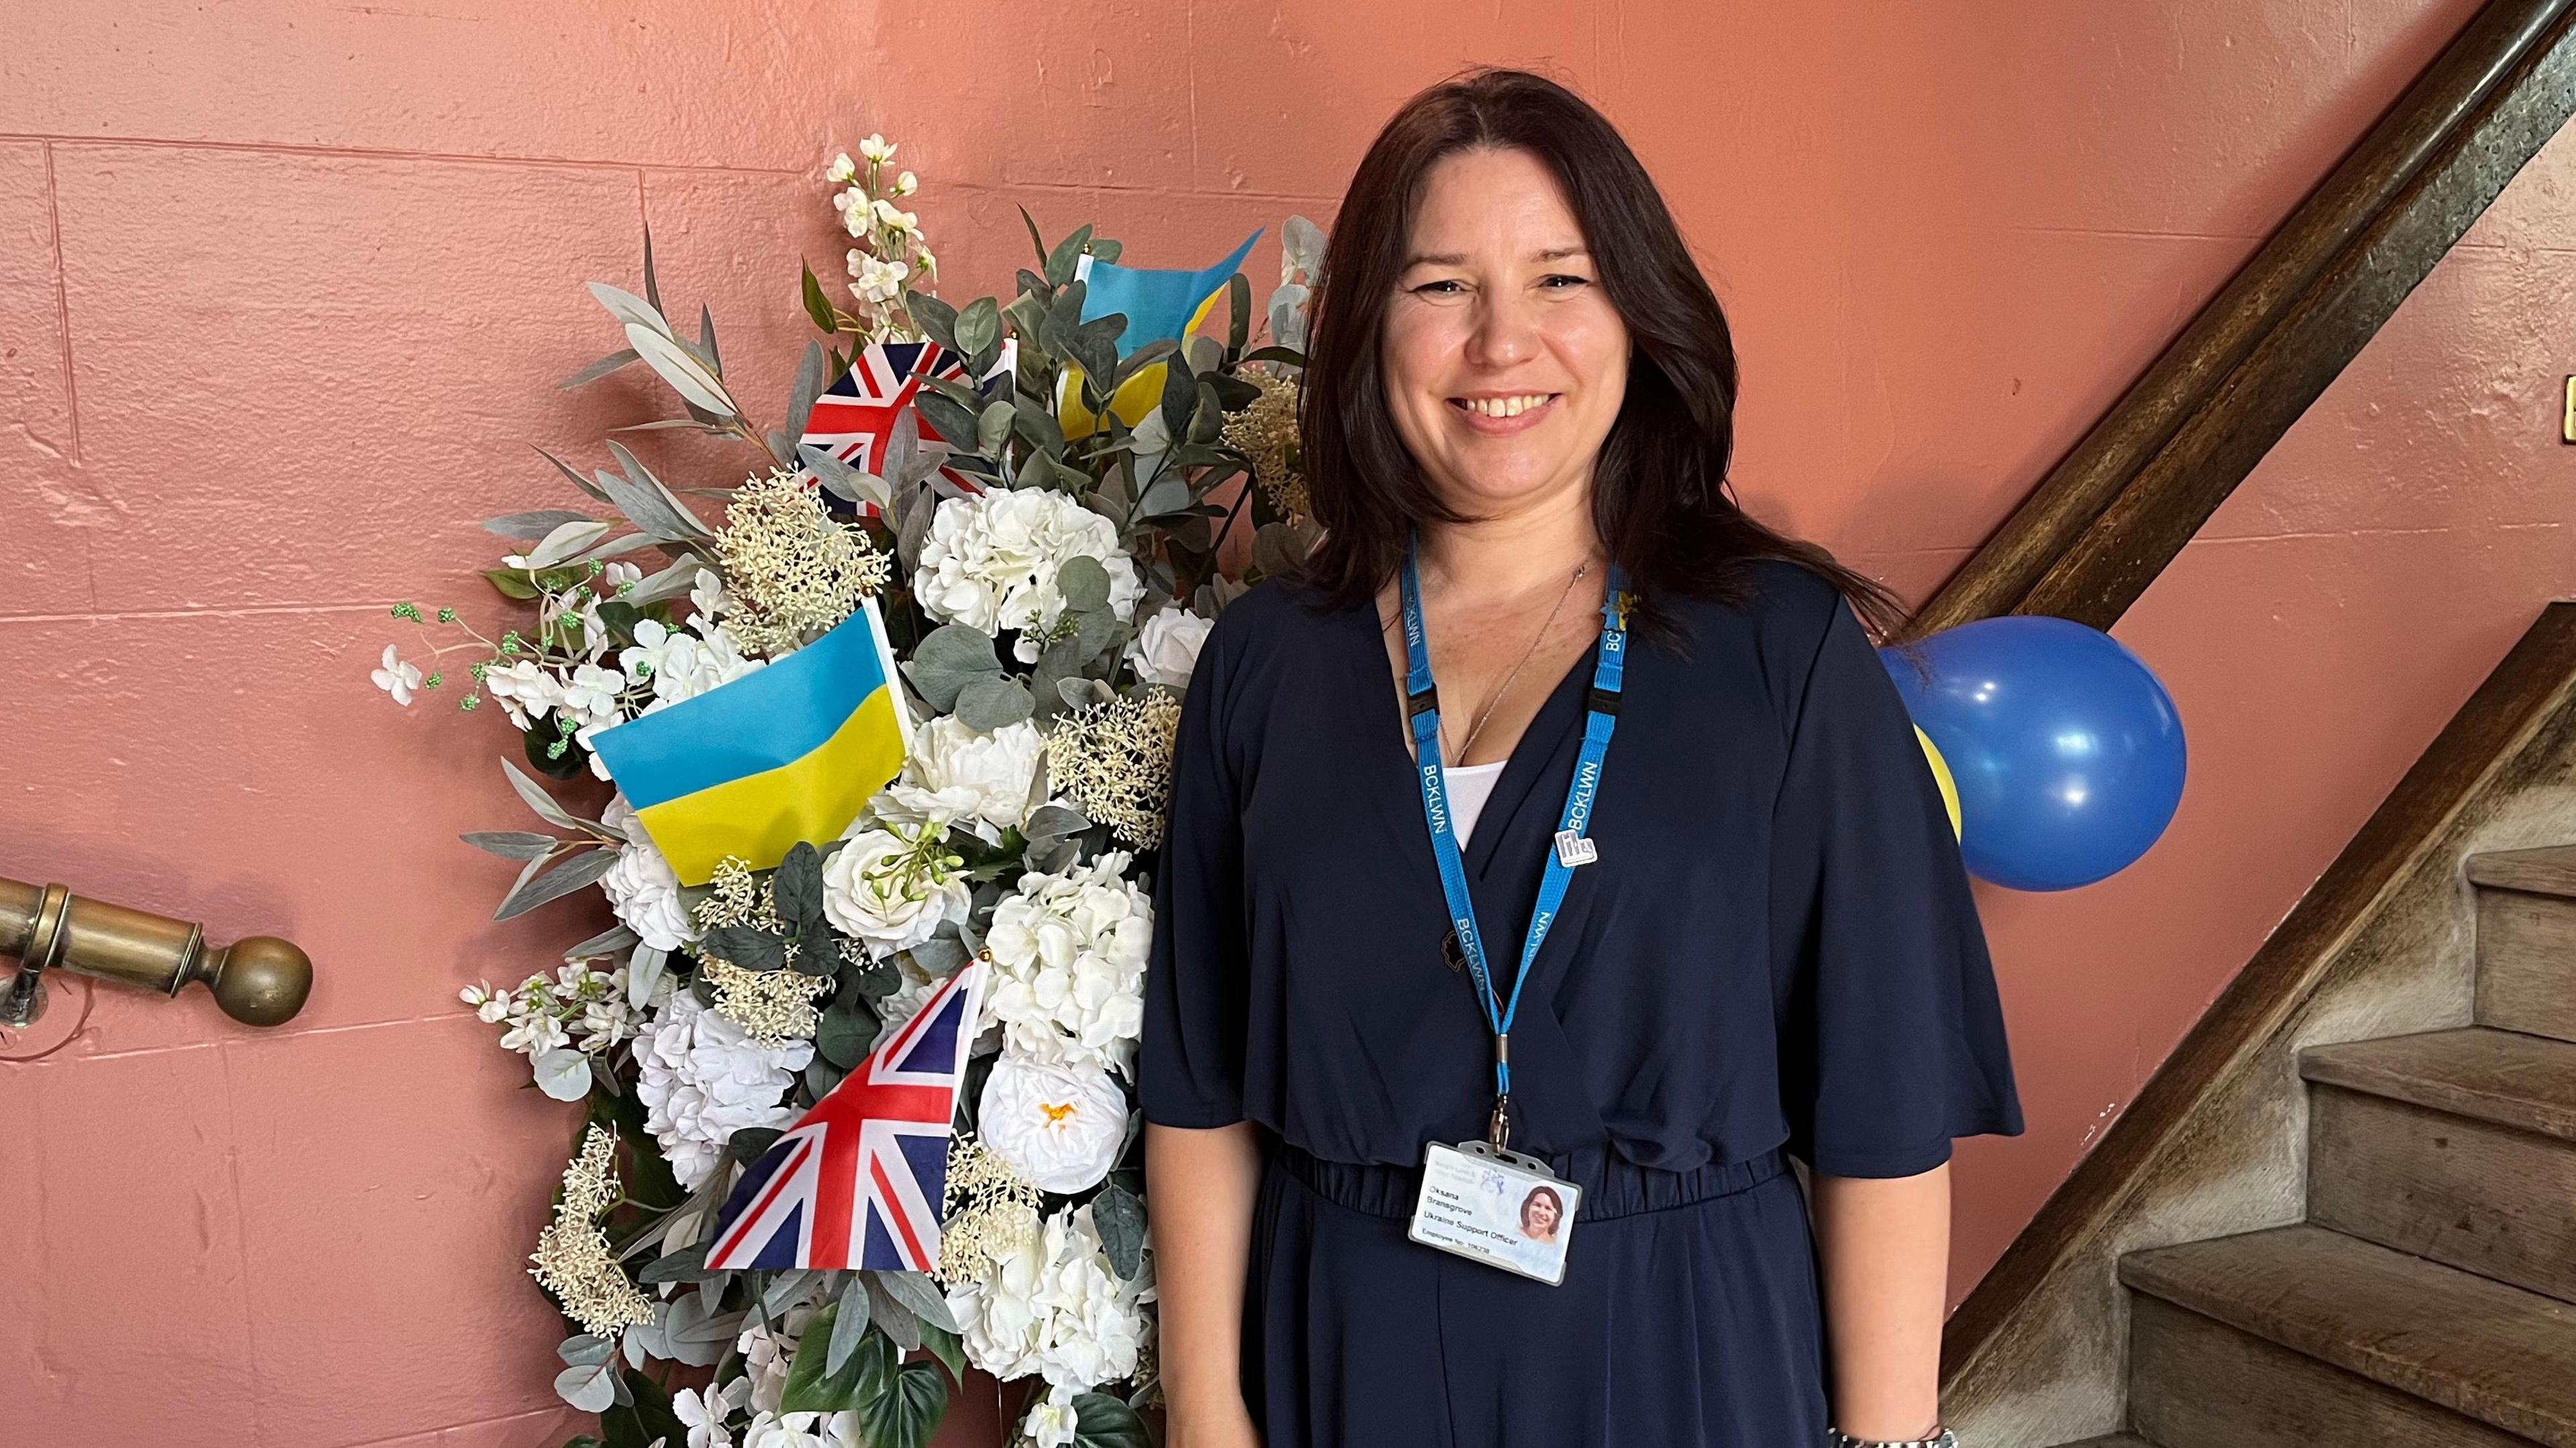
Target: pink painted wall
<point>283,289</point>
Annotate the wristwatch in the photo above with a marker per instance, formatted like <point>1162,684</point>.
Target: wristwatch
<point>1836,1438</point>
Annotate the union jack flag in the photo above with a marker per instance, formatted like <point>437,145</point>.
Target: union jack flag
<point>860,1180</point>
<point>854,418</point>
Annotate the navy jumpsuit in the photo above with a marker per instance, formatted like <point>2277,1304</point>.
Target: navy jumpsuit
<point>1776,954</point>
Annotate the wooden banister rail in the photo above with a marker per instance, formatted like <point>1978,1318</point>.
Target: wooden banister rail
<point>2117,509</point>
<point>2109,517</point>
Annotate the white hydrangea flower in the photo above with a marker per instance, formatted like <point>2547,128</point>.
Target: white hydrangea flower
<point>703,1080</point>
<point>893,886</point>
<point>1069,964</point>
<point>396,677</point>
<point>682,665</point>
<point>641,887</point>
<point>1056,1310</point>
<point>524,691</point>
<point>1166,650</point>
<point>590,695</point>
<point>990,562</point>
<point>1060,1127</point>
<point>956,775</point>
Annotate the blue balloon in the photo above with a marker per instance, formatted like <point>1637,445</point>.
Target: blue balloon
<point>2066,748</point>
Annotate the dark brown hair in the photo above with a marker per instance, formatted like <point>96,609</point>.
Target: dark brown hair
<point>1660,499</point>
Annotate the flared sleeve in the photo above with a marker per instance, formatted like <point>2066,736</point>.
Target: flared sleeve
<point>1891,1035</point>
<point>1197,981</point>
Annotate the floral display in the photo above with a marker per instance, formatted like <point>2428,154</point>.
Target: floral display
<point>1045,572</point>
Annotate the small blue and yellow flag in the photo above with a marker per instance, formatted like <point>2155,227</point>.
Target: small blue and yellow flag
<point>787,753</point>
<point>1159,304</point>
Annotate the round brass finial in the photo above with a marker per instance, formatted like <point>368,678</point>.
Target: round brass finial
<point>260,980</point>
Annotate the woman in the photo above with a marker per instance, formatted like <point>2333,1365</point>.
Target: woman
<point>1539,649</point>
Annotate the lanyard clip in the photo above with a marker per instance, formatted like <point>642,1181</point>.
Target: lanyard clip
<point>1498,1128</point>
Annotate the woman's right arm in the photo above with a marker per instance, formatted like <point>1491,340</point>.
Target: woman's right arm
<point>1202,1184</point>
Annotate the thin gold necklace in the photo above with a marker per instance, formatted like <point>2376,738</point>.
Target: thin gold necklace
<point>1506,686</point>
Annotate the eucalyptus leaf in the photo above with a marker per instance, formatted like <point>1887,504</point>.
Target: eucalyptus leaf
<point>606,943</point>
<point>1034,239</point>
<point>904,463</point>
<point>685,1264</point>
<point>1164,497</point>
<point>916,1291</point>
<point>937,319</point>
<point>1053,821</point>
<point>532,526</point>
<point>845,1034</point>
<point>616,361</point>
<point>939,957</point>
<point>979,325</point>
<point>1119,1215</point>
<point>951,419</point>
<point>993,428</point>
<point>750,1143</point>
<point>629,309</point>
<point>915,527</point>
<point>591,1387</point>
<point>689,375</point>
<point>1238,310</point>
<point>843,480</point>
<point>668,584</point>
<point>564,541</point>
<point>511,844</point>
<point>649,503</point>
<point>584,1350</point>
<point>1067,254</point>
<point>956,648</point>
<point>809,385</point>
<point>1084,583</point>
<point>555,883</point>
<point>891,1317</point>
<point>849,1324</point>
<point>644,973</point>
<point>563,1073</point>
<point>987,704</point>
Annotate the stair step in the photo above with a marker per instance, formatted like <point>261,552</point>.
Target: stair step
<point>2459,1146</point>
<point>2197,1381</point>
<point>2495,1353</point>
<point>2527,939</point>
<point>2506,1077</point>
<point>2548,870</point>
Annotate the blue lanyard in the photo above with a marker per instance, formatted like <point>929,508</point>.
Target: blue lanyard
<point>1572,847</point>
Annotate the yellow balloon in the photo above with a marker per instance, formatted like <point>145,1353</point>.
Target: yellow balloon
<point>1941,774</point>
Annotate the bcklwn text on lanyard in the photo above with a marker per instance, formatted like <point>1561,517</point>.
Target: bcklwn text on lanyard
<point>1573,846</point>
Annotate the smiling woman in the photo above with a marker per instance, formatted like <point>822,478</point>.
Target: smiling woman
<point>1382,1057</point>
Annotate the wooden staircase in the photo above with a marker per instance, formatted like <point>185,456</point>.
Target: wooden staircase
<point>2429,1299</point>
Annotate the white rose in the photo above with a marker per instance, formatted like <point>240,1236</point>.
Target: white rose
<point>893,887</point>
<point>1058,1126</point>
<point>955,774</point>
<point>1166,649</point>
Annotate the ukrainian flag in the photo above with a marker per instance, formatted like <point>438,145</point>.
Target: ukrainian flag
<point>1159,305</point>
<point>787,753</point>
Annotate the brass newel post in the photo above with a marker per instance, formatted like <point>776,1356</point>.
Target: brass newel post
<point>259,981</point>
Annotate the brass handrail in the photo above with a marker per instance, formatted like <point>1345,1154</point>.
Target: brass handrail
<point>259,981</point>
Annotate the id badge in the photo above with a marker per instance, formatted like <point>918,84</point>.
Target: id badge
<point>1496,1206</point>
